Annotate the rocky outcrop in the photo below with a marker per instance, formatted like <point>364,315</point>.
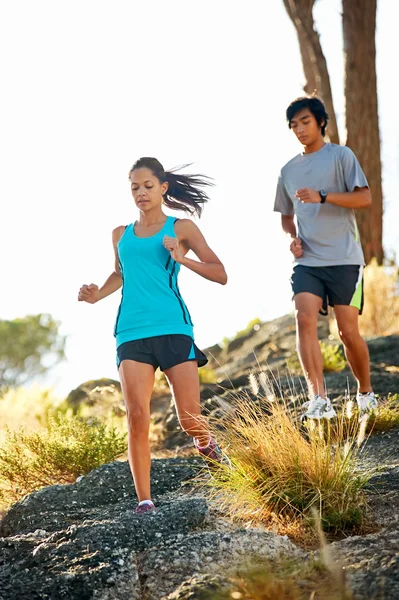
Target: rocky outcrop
<point>84,541</point>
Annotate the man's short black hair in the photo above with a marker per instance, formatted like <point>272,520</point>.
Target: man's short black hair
<point>316,107</point>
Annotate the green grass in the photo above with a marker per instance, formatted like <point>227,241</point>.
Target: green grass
<point>387,415</point>
<point>67,448</point>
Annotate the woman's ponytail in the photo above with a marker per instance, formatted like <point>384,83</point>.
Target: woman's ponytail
<point>185,192</point>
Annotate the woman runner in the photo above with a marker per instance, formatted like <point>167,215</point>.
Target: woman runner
<point>153,327</point>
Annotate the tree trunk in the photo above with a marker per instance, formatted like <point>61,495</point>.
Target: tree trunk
<point>313,59</point>
<point>359,22</point>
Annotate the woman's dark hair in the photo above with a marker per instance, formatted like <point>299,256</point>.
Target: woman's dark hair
<point>184,191</point>
<point>316,107</point>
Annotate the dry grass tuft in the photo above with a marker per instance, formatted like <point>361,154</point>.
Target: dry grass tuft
<point>281,469</point>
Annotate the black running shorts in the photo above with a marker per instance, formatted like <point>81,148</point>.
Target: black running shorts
<point>163,351</point>
<point>337,285</point>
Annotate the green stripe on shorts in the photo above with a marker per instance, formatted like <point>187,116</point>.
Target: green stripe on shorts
<point>357,296</point>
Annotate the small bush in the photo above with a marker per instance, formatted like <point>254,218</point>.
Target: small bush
<point>333,359</point>
<point>253,325</point>
<point>69,447</point>
<point>207,375</point>
<point>281,472</point>
<point>386,417</point>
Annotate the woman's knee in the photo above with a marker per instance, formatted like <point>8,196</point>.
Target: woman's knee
<point>138,419</point>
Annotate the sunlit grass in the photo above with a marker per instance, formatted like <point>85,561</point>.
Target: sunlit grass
<point>285,579</point>
<point>281,470</point>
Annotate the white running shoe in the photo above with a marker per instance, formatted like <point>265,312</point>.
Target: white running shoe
<point>318,408</point>
<point>367,403</point>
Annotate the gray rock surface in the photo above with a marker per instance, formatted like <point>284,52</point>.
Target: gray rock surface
<point>84,541</point>
<point>371,563</point>
<point>183,558</point>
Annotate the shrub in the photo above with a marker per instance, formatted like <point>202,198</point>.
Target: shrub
<point>281,471</point>
<point>207,375</point>
<point>333,359</point>
<point>69,447</point>
<point>253,325</point>
<point>386,417</point>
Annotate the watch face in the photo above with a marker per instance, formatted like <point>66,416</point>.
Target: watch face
<point>323,193</point>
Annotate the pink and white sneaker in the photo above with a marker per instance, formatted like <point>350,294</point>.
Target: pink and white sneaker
<point>144,507</point>
<point>212,453</point>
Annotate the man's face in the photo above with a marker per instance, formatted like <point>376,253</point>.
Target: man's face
<point>305,127</point>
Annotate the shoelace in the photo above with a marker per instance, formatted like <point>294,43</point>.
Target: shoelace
<point>317,403</point>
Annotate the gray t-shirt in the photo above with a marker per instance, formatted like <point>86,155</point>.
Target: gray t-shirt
<point>329,233</point>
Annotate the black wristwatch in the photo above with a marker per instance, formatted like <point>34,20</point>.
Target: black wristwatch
<point>323,196</point>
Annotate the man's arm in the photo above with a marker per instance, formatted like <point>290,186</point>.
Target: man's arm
<point>359,198</point>
<point>289,227</point>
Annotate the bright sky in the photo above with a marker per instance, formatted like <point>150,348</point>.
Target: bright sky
<point>90,86</point>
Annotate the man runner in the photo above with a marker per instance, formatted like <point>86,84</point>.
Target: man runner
<point>321,187</point>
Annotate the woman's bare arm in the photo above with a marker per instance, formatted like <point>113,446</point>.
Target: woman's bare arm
<point>189,237</point>
<point>92,293</point>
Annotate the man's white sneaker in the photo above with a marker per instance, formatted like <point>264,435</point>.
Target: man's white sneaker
<point>318,408</point>
<point>367,403</point>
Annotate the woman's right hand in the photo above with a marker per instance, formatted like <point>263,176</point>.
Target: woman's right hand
<point>89,293</point>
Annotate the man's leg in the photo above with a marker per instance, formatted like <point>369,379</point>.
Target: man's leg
<point>356,349</point>
<point>307,308</point>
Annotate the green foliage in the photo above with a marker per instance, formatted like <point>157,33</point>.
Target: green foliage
<point>69,447</point>
<point>206,375</point>
<point>29,347</point>
<point>386,417</point>
<point>254,324</point>
<point>250,327</point>
<point>333,359</point>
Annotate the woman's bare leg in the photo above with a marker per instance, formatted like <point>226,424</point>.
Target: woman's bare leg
<point>137,381</point>
<point>184,384</point>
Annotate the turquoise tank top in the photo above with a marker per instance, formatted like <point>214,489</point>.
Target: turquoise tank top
<point>151,302</point>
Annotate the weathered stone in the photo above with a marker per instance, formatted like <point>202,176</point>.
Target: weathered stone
<point>371,563</point>
<point>106,489</point>
<point>88,559</point>
<point>163,569</point>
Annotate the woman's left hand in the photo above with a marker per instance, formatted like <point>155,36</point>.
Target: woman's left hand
<point>172,244</point>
